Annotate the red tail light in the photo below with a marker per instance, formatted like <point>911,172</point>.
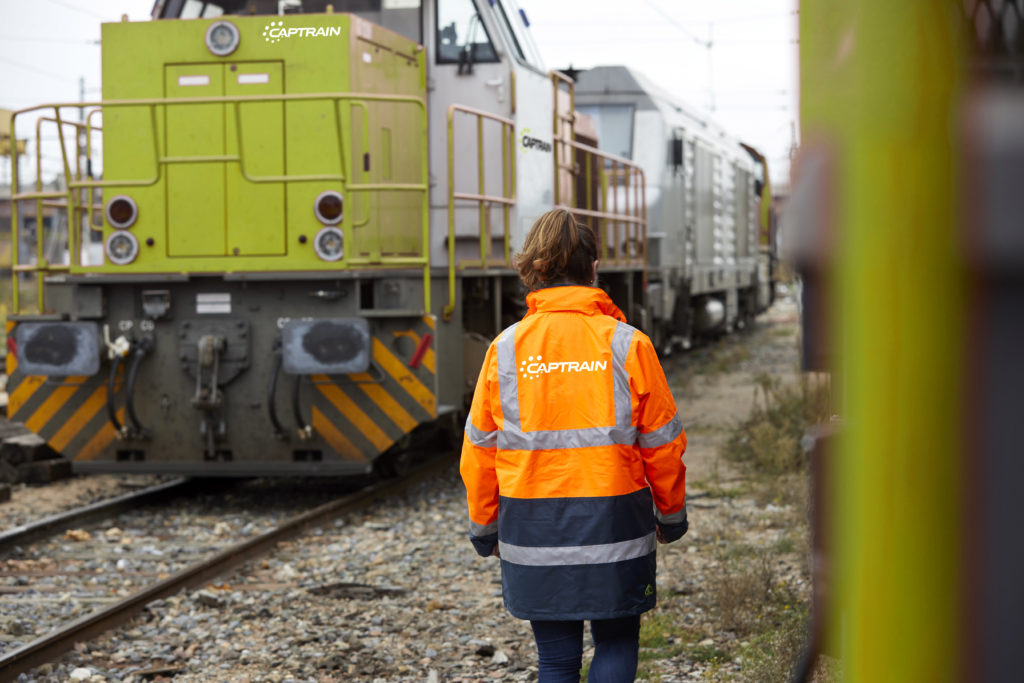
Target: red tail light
<point>329,207</point>
<point>122,212</point>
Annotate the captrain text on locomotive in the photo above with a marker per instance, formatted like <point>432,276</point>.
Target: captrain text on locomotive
<point>300,241</point>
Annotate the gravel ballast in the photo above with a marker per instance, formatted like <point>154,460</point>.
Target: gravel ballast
<point>396,593</point>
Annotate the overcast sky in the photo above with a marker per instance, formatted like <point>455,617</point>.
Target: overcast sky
<point>747,77</point>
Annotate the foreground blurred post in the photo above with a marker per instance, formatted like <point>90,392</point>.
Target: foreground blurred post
<point>908,207</point>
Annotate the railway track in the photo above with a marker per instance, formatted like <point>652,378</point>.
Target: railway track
<point>164,567</point>
<point>92,513</point>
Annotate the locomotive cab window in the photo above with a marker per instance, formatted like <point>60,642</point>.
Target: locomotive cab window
<point>195,9</point>
<point>462,37</point>
<point>514,25</point>
<point>614,127</point>
<point>510,33</point>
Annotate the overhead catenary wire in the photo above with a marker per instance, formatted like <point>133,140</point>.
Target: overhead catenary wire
<point>642,39</point>
<point>680,26</point>
<point>769,107</point>
<point>686,32</point>
<point>696,22</point>
<point>43,39</point>
<point>42,72</point>
<point>750,18</point>
<point>76,8</point>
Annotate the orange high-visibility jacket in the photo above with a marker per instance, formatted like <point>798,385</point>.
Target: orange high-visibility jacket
<point>572,456</point>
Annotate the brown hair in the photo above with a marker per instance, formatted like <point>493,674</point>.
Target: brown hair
<point>557,249</point>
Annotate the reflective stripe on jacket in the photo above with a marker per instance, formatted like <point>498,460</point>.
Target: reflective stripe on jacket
<point>572,457</point>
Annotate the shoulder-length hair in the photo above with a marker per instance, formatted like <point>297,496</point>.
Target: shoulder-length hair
<point>557,249</point>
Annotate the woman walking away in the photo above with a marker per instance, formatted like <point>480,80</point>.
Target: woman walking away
<point>572,461</point>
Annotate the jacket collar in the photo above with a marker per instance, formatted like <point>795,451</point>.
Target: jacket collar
<point>575,298</point>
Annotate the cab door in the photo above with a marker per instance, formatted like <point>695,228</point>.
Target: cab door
<point>534,109</point>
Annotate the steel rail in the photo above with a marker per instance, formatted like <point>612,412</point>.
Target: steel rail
<point>55,643</point>
<point>32,531</point>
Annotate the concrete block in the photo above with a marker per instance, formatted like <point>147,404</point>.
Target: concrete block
<point>44,471</point>
<point>8,473</point>
<point>25,448</point>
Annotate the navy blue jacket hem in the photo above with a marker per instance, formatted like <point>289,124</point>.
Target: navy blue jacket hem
<point>579,616</point>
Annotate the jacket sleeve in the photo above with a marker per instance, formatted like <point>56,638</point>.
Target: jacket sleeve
<point>479,446</point>
<point>661,438</point>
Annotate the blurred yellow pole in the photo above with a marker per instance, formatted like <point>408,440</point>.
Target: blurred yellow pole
<point>880,82</point>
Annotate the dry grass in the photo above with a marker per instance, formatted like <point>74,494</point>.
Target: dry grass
<point>769,439</point>
<point>740,589</point>
<point>746,594</point>
<point>772,656</point>
<point>742,613</point>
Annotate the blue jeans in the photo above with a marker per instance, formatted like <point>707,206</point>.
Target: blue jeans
<point>560,650</point>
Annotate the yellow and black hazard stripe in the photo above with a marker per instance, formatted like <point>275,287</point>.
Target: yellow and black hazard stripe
<point>359,416</point>
<point>69,413</point>
<point>362,415</point>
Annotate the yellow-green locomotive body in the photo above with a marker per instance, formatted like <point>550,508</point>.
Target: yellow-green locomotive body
<point>263,304</point>
<point>228,180</point>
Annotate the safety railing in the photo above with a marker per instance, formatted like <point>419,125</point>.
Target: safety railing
<point>563,126</point>
<point>485,201</point>
<point>83,151</point>
<point>77,183</point>
<point>60,202</point>
<point>607,190</point>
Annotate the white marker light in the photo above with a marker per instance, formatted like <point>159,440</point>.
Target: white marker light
<point>329,244</point>
<point>122,247</point>
<point>222,38</point>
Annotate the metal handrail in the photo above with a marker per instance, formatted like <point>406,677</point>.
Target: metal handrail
<point>74,226</point>
<point>558,79</point>
<point>633,213</point>
<point>611,170</point>
<point>563,125</point>
<point>506,200</point>
<point>41,266</point>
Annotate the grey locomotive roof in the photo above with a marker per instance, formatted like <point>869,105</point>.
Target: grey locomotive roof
<point>622,85</point>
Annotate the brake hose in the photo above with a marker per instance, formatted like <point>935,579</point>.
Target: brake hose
<point>279,431</point>
<point>305,431</point>
<point>111,411</point>
<point>143,346</point>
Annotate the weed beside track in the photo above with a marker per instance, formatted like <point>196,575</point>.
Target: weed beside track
<point>734,594</point>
